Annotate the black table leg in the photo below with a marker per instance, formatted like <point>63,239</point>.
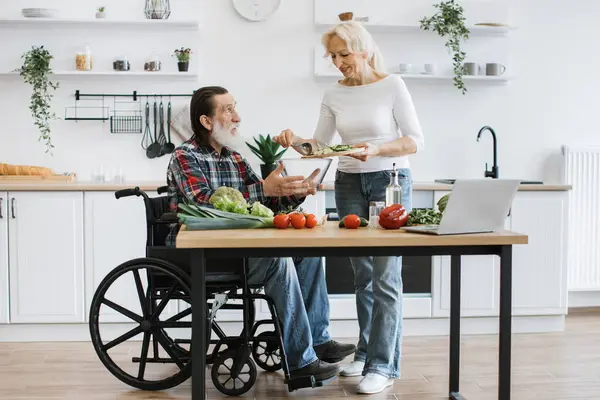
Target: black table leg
<point>198,270</point>
<point>504,366</point>
<point>455,280</point>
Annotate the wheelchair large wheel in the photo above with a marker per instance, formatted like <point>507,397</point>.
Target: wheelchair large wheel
<point>165,283</point>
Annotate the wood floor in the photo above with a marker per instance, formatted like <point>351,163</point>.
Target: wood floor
<point>562,365</point>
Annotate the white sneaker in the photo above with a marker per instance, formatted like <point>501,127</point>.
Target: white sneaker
<point>374,383</point>
<point>355,368</point>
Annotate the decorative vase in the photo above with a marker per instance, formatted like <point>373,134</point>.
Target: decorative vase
<point>100,15</point>
<point>183,66</point>
<point>157,9</point>
<point>266,169</point>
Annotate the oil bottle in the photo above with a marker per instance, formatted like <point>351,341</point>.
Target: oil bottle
<point>393,192</point>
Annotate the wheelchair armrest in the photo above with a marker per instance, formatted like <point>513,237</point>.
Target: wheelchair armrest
<point>169,217</point>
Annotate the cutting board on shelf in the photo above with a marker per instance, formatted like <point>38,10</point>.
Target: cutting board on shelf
<point>58,178</point>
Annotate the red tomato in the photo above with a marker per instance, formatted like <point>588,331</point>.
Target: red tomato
<point>281,221</point>
<point>352,221</point>
<point>311,221</point>
<point>298,220</point>
<point>393,217</point>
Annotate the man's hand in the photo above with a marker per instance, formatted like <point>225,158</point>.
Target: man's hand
<point>277,186</point>
<point>311,180</point>
<point>369,150</point>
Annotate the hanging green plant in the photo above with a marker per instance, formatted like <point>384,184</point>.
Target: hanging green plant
<point>36,71</point>
<point>449,22</point>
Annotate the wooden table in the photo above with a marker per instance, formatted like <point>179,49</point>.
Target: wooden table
<point>329,240</point>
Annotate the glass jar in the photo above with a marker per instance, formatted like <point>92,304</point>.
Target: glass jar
<point>83,59</point>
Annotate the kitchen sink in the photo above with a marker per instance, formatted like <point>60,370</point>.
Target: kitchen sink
<point>523,182</point>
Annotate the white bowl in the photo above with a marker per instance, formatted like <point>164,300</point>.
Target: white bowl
<point>39,12</point>
<point>305,167</point>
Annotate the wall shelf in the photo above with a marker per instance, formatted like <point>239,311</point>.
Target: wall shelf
<point>120,74</point>
<point>476,30</point>
<point>166,23</point>
<point>432,78</point>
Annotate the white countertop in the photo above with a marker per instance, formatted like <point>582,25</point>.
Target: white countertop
<point>153,185</point>
<point>434,186</point>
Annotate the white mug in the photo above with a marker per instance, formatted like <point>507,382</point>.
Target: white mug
<point>404,68</point>
<point>430,69</point>
<point>494,69</point>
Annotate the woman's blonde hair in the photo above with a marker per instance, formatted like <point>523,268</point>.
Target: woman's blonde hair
<point>358,39</point>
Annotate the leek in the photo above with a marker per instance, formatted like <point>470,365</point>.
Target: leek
<point>196,217</point>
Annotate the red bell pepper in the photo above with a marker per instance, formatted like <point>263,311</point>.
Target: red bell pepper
<point>394,216</point>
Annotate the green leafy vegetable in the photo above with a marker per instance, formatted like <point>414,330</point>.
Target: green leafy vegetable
<point>443,202</point>
<point>260,210</point>
<point>423,216</point>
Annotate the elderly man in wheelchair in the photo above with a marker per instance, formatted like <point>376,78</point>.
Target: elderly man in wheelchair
<point>297,287</point>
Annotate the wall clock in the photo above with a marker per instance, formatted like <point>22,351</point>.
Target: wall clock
<point>256,10</point>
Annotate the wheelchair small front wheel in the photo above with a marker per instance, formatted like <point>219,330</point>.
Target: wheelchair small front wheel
<point>265,351</point>
<point>224,377</point>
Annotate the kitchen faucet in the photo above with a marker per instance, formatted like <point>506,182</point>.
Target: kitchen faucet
<point>494,172</point>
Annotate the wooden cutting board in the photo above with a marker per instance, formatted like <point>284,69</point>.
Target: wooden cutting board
<point>36,178</point>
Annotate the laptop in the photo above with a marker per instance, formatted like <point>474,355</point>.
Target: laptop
<point>474,206</point>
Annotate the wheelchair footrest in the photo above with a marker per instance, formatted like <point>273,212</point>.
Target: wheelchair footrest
<point>158,360</point>
<point>307,382</point>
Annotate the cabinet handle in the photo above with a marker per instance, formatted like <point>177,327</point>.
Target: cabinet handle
<point>12,207</point>
<point>1,201</point>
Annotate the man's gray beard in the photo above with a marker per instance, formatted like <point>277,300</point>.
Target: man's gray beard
<point>225,138</point>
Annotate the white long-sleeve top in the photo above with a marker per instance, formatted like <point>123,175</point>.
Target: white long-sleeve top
<point>378,112</point>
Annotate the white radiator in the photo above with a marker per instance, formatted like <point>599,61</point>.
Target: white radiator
<point>582,171</point>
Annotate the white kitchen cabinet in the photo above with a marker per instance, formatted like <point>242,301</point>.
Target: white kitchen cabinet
<point>4,299</point>
<point>539,267</point>
<point>480,276</point>
<point>46,266</point>
<point>115,232</point>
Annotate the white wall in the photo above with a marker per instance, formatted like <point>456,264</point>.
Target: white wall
<point>269,67</point>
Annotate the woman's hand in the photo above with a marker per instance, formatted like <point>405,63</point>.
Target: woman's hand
<point>286,138</point>
<point>369,150</point>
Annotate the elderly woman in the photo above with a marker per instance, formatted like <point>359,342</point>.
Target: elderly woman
<point>374,111</point>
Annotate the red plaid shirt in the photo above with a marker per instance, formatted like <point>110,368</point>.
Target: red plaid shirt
<point>196,171</point>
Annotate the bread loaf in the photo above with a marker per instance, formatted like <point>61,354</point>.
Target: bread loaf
<point>8,169</point>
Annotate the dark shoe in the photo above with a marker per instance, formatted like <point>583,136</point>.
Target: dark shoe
<point>333,351</point>
<point>319,369</point>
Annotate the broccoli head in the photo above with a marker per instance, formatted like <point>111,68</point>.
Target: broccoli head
<point>231,193</point>
<point>229,199</point>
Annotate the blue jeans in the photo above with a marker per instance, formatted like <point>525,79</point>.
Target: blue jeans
<point>377,280</point>
<point>298,290</point>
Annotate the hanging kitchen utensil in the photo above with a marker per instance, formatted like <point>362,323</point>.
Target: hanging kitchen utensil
<point>153,150</point>
<point>161,136</point>
<point>169,146</point>
<point>147,138</point>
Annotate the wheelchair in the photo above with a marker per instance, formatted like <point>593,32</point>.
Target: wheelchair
<point>162,277</point>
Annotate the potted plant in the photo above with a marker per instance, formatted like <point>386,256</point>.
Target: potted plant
<point>183,58</point>
<point>449,22</point>
<point>36,71</point>
<point>100,14</point>
<point>268,152</point>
